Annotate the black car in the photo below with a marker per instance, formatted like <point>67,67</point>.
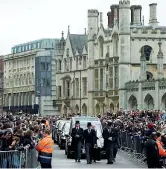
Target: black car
<point>69,149</point>
<point>55,131</point>
<point>62,137</point>
<point>59,129</point>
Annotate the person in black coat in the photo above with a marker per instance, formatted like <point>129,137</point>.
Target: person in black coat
<point>152,152</point>
<point>77,138</point>
<point>110,135</point>
<point>90,142</point>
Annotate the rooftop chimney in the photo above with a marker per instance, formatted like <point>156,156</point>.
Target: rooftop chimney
<point>153,15</point>
<point>136,14</point>
<point>113,16</point>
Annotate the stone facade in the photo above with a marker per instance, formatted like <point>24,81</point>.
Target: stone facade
<point>121,61</point>
<point>29,78</point>
<point>1,84</point>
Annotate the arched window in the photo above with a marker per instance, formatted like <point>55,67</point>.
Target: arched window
<point>115,44</point>
<point>149,75</point>
<point>146,50</point>
<point>132,103</point>
<point>101,48</point>
<point>149,102</point>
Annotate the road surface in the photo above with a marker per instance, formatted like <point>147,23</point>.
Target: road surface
<point>60,161</point>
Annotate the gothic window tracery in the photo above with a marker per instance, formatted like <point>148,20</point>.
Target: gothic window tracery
<point>101,46</point>
<point>146,51</point>
<point>115,44</point>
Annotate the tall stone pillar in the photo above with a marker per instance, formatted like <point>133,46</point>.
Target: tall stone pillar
<point>124,50</point>
<point>93,18</point>
<point>160,67</point>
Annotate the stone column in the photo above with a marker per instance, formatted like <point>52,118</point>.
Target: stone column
<point>160,69</point>
<point>157,100</point>
<point>140,100</point>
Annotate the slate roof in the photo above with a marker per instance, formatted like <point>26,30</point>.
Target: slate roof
<point>78,42</point>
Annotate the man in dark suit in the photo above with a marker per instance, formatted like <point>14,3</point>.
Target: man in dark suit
<point>110,135</point>
<point>90,142</point>
<point>77,138</point>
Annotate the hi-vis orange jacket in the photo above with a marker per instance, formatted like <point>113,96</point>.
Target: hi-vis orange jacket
<point>162,151</point>
<point>45,149</point>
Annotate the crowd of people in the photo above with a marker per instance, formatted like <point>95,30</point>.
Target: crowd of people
<point>19,132</point>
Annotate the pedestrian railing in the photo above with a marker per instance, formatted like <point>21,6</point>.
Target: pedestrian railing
<point>134,146</point>
<point>19,159</point>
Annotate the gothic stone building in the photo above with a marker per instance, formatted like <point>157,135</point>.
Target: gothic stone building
<point>119,62</point>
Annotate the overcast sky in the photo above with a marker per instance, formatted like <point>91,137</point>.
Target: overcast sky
<point>25,20</point>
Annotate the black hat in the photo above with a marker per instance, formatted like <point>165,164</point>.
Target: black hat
<point>89,124</point>
<point>77,122</point>
<point>109,123</point>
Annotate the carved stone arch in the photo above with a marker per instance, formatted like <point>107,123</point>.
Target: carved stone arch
<point>84,109</point>
<point>76,109</point>
<point>132,103</point>
<point>163,101</point>
<point>97,108</point>
<point>149,102</point>
<point>101,46</point>
<point>146,51</point>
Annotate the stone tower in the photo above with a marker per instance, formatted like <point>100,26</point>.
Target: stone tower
<point>124,49</point>
<point>93,19</point>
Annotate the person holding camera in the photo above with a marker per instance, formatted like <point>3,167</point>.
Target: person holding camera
<point>77,138</point>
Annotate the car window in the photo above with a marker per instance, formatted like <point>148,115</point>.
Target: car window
<point>66,128</point>
<point>61,125</point>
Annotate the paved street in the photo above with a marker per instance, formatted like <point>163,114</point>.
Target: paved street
<point>60,161</point>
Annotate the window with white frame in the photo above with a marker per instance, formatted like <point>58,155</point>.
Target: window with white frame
<point>96,79</point>
<point>70,64</point>
<point>101,79</point>
<point>116,77</point>
<point>77,87</point>
<point>84,62</point>
<point>111,77</point>
<point>77,63</point>
<point>84,86</point>
<point>68,88</point>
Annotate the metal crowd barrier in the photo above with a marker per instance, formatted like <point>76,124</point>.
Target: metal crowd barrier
<point>19,159</point>
<point>133,145</point>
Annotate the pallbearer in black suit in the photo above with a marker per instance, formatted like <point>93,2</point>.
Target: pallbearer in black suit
<point>90,142</point>
<point>110,135</point>
<point>77,139</point>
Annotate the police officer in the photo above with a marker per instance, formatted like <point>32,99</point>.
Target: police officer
<point>45,149</point>
<point>77,138</point>
<point>90,142</point>
<point>110,135</point>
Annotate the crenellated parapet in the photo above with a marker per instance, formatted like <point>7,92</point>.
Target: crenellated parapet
<point>148,30</point>
<point>93,13</point>
<point>124,4</point>
<point>132,85</point>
